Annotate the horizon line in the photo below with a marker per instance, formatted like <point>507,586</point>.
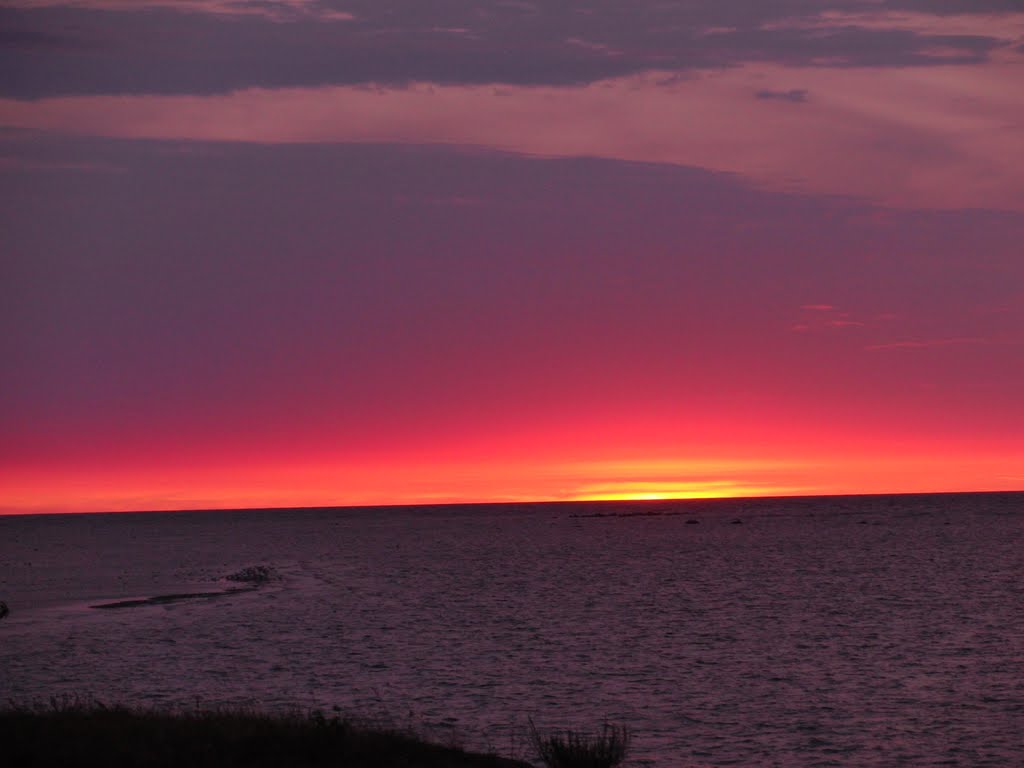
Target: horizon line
<point>509,503</point>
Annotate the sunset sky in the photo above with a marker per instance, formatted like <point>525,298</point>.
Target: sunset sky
<point>318,252</point>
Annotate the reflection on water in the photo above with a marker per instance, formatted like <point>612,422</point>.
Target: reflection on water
<point>871,631</point>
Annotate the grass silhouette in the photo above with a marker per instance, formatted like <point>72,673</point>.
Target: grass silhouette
<point>573,749</point>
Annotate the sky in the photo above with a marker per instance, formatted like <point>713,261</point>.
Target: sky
<point>262,253</point>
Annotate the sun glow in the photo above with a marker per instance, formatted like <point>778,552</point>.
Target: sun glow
<point>635,492</point>
<point>650,496</point>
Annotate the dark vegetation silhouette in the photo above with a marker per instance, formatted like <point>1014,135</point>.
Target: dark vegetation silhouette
<point>68,732</point>
<point>574,749</point>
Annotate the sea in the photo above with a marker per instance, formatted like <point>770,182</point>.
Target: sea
<point>797,632</point>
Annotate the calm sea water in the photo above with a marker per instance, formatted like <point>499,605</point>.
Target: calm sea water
<point>867,631</point>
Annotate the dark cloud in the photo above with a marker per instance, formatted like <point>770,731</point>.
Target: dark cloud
<point>953,7</point>
<point>24,35</point>
<point>796,95</point>
<point>59,50</point>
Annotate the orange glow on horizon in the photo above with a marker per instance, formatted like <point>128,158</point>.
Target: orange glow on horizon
<point>514,479</point>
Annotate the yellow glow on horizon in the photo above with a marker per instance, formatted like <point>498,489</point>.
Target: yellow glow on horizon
<point>652,496</point>
<point>664,491</point>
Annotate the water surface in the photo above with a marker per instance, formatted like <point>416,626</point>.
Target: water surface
<point>868,631</point>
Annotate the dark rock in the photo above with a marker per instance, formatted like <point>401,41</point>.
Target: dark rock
<point>4,610</point>
<point>691,521</point>
<point>254,574</point>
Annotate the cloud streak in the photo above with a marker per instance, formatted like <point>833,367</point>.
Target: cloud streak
<point>167,47</point>
<point>273,10</point>
<point>932,154</point>
<point>795,95</point>
<point>954,341</point>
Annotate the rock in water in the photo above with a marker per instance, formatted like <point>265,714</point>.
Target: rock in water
<point>4,610</point>
<point>254,574</point>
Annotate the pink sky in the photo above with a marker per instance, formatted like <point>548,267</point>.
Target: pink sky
<point>312,253</point>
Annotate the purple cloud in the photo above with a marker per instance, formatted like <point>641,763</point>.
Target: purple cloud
<point>796,95</point>
<point>106,48</point>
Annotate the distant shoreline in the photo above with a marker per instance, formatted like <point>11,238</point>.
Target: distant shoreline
<point>514,504</point>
